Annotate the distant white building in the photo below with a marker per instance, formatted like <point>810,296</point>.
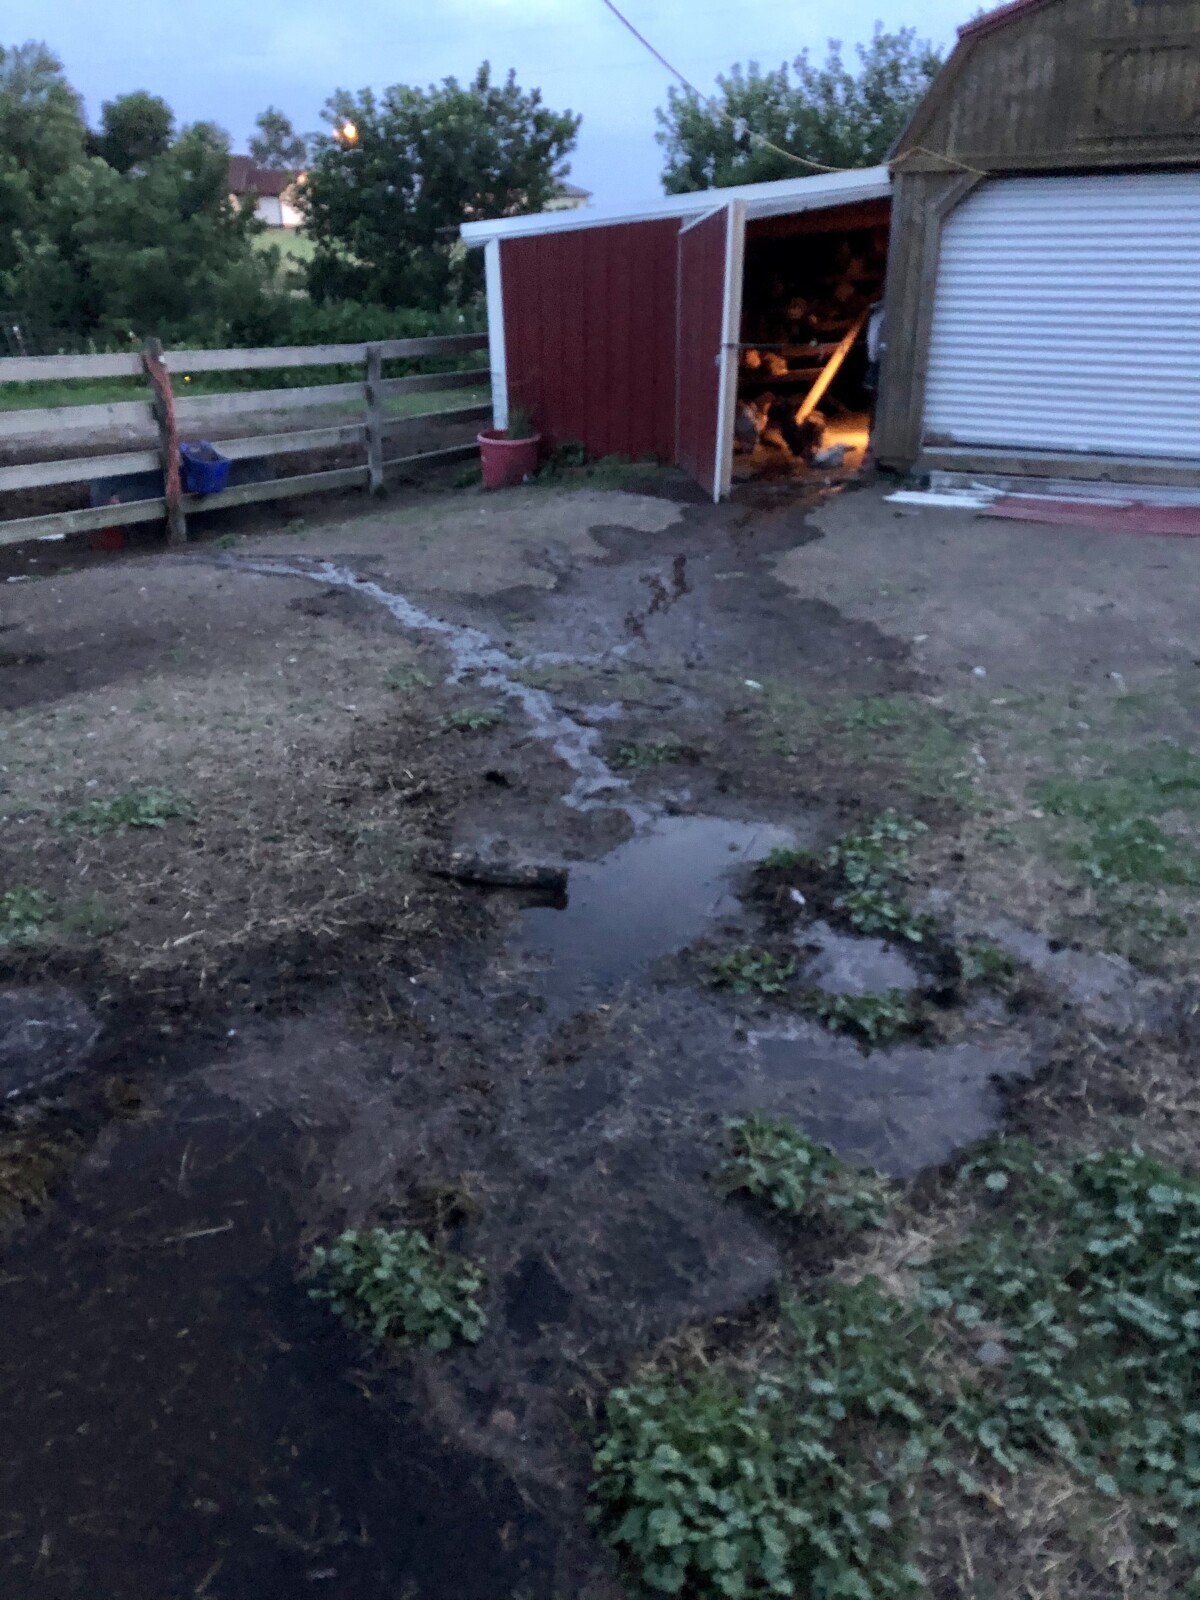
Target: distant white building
<point>569,197</point>
<point>271,192</point>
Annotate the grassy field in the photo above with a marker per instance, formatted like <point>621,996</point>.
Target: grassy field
<point>107,391</point>
<point>292,244</point>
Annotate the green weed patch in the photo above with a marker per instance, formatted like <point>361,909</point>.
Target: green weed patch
<point>393,1285</point>
<point>645,757</point>
<point>748,970</point>
<point>472,721</point>
<point>772,1160</point>
<point>876,1019</point>
<point>797,1483</point>
<point>803,1470</point>
<point>873,863</point>
<point>1090,1274</point>
<point>138,808</point>
<point>981,961</point>
<point>22,914</point>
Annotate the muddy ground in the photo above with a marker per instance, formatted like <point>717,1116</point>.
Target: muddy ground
<point>271,1015</point>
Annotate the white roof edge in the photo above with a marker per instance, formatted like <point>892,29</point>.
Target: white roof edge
<point>762,200</point>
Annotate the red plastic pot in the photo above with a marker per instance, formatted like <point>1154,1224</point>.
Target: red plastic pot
<point>507,462</point>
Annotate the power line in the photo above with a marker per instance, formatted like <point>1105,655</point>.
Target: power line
<point>707,100</point>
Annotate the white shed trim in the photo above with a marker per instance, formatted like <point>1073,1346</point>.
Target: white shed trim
<point>782,199</point>
<point>731,324</point>
<point>497,351</point>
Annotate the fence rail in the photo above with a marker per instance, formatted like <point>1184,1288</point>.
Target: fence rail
<point>369,430</point>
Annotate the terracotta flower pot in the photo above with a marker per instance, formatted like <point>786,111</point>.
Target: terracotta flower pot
<point>507,462</point>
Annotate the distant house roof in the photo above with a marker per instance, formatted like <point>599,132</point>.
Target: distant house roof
<point>572,191</point>
<point>247,177</point>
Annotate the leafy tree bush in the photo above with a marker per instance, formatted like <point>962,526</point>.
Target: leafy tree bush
<point>384,202</point>
<point>277,144</point>
<point>159,248</point>
<point>42,136</point>
<point>836,115</point>
<point>134,129</point>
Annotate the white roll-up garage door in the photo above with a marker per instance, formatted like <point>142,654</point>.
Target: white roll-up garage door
<point>1067,317</point>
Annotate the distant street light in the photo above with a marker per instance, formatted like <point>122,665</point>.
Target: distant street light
<point>348,132</point>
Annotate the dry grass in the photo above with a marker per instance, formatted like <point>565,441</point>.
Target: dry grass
<point>1041,1536</point>
<point>31,1160</point>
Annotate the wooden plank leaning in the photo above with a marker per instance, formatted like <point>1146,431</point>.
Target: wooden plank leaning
<point>832,367</point>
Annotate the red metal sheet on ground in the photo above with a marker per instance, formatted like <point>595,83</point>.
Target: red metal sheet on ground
<point>1181,521</point>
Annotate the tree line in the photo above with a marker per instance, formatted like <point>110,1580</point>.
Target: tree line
<point>110,232</point>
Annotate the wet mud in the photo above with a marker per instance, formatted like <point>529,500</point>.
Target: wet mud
<point>548,1097</point>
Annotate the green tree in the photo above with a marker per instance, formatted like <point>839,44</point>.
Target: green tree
<point>277,144</point>
<point>389,185</point>
<point>134,129</point>
<point>42,135</point>
<point>41,117</point>
<point>157,249</point>
<point>832,115</point>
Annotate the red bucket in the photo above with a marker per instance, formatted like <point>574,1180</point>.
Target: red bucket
<point>507,462</point>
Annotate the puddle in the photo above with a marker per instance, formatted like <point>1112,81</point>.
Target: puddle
<point>897,1110</point>
<point>848,964</point>
<point>648,898</point>
<point>45,1033</point>
<point>1106,986</point>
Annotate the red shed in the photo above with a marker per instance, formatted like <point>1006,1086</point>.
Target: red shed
<point>662,329</point>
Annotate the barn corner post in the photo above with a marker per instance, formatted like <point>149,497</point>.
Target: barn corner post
<point>375,418</point>
<point>163,405</point>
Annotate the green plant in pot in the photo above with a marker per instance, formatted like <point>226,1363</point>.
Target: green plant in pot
<point>509,456</point>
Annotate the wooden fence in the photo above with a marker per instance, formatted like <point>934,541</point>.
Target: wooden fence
<point>77,425</point>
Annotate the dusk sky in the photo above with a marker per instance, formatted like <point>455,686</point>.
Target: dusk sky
<point>226,59</point>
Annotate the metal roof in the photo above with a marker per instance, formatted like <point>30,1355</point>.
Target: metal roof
<point>781,199</point>
<point>987,21</point>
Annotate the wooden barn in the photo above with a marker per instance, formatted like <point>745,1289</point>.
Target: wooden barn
<point>697,328</point>
<point>1043,304</point>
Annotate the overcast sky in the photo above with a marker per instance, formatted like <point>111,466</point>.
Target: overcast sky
<point>227,59</point>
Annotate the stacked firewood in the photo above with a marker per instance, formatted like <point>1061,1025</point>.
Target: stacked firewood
<point>789,337</point>
<point>768,420</point>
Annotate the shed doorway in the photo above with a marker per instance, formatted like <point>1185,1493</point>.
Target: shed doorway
<point>805,389</point>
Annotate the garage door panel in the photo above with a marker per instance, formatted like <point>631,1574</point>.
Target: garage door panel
<point>1067,317</point>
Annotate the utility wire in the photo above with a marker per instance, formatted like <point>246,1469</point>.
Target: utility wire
<point>707,100</point>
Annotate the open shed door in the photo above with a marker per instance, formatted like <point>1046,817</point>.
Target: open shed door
<point>709,309</point>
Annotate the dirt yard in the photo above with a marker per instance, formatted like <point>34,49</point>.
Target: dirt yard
<point>268,972</point>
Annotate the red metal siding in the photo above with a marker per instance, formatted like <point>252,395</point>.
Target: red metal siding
<point>589,330</point>
<point>702,291</point>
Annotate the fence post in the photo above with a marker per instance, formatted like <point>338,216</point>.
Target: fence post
<point>375,417</point>
<point>163,404</point>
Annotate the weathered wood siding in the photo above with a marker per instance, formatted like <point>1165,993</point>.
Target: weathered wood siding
<point>1066,86</point>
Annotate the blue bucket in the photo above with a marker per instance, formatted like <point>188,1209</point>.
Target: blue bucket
<point>204,469</point>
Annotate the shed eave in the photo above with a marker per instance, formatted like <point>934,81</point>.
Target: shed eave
<point>785,198</point>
